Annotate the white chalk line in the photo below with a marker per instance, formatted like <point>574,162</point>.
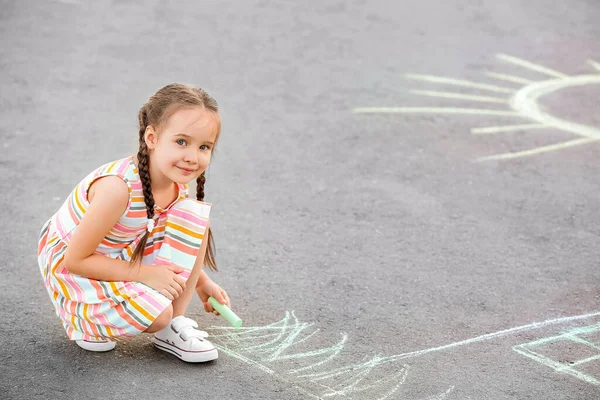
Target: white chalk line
<point>494,335</point>
<point>352,384</point>
<point>506,128</point>
<point>436,110</point>
<point>530,65</point>
<point>556,365</point>
<point>509,78</point>
<point>537,150</point>
<point>585,330</point>
<point>586,360</point>
<point>577,339</point>
<point>460,96</point>
<point>287,342</point>
<point>442,395</point>
<point>595,64</point>
<point>526,349</point>
<point>459,82</point>
<point>246,360</point>
<point>340,371</point>
<point>335,350</point>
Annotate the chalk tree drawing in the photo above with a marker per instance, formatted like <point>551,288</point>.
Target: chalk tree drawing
<point>283,349</point>
<point>520,103</point>
<point>558,352</point>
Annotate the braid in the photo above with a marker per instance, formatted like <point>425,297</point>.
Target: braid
<point>200,187</point>
<point>144,172</point>
<point>209,258</point>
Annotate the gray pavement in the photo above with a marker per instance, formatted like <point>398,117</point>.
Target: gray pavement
<point>415,267</point>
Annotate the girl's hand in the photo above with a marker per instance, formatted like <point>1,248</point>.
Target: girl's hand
<point>164,279</point>
<point>207,288</point>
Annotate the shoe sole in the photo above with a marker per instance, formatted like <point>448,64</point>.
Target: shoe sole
<point>185,355</point>
<point>98,347</point>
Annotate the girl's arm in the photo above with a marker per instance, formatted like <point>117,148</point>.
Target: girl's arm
<point>108,199</point>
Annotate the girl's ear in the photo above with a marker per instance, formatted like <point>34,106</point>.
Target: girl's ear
<point>150,137</point>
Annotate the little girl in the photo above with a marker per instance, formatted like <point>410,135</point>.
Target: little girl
<point>124,253</point>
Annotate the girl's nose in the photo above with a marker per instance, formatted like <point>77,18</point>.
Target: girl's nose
<point>191,157</point>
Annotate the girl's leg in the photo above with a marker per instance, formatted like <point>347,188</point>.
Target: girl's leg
<point>187,225</point>
<point>181,303</point>
<point>162,321</point>
<point>184,245</point>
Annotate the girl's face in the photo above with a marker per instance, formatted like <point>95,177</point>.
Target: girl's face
<point>183,147</point>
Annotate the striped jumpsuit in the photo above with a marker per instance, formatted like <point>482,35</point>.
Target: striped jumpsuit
<point>92,309</point>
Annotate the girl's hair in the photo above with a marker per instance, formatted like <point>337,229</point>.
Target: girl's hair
<point>156,112</point>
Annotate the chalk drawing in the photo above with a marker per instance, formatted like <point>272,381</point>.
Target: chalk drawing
<point>587,338</point>
<point>522,103</point>
<point>283,349</point>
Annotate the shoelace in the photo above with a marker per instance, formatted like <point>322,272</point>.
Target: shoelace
<point>186,328</point>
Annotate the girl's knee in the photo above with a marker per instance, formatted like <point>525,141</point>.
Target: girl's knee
<point>162,321</point>
<point>193,206</point>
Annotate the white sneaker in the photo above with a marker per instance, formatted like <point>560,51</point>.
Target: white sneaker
<point>181,339</point>
<point>96,345</point>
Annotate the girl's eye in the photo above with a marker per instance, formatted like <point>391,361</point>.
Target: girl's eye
<point>204,147</point>
<point>181,142</point>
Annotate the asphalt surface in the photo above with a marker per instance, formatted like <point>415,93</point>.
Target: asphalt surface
<point>380,230</point>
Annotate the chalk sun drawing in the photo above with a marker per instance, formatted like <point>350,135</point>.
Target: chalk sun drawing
<point>520,103</point>
<point>282,349</point>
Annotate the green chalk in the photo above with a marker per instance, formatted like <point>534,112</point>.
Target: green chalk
<point>225,312</point>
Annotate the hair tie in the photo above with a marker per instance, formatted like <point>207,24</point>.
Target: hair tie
<point>150,225</point>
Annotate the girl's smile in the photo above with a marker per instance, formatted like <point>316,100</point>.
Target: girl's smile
<point>187,171</point>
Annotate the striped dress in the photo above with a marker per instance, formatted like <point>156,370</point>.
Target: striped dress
<point>92,309</point>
